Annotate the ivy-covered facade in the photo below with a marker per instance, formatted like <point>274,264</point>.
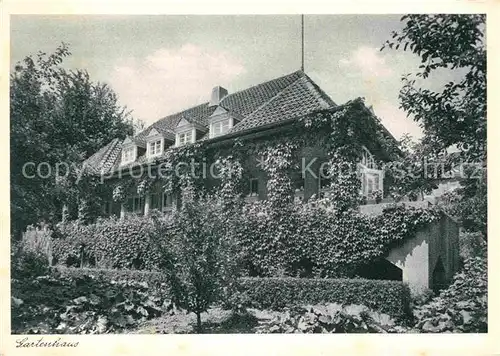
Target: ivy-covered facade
<point>284,139</point>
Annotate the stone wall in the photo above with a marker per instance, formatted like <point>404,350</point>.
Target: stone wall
<point>422,257</point>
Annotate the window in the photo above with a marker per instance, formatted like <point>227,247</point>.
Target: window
<point>128,154</point>
<point>372,180</point>
<point>367,159</point>
<point>324,179</point>
<point>220,128</point>
<point>185,137</point>
<point>254,187</point>
<point>136,205</point>
<point>155,148</point>
<point>167,202</point>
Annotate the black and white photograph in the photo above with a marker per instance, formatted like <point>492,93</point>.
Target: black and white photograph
<point>247,174</point>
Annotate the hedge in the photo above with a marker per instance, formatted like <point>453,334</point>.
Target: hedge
<point>390,297</point>
<point>109,243</point>
<point>156,281</point>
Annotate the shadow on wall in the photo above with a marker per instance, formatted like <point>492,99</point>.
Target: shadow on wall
<point>380,269</point>
<point>439,276</point>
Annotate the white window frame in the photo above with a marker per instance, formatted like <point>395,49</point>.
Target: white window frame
<point>184,134</point>
<point>153,149</point>
<point>367,159</point>
<point>129,158</point>
<point>220,127</point>
<point>367,175</point>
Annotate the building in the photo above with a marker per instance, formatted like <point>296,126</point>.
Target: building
<point>254,114</point>
<point>258,114</point>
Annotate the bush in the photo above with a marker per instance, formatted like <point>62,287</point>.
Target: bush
<point>391,297</point>
<point>330,318</point>
<point>203,259</point>
<point>305,240</point>
<point>155,281</point>
<point>27,264</point>
<point>81,304</point>
<point>463,306</point>
<point>37,240</point>
<point>109,243</point>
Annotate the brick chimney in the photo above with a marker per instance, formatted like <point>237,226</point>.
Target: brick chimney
<point>218,93</point>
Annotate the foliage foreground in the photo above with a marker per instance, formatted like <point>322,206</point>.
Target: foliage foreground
<point>463,306</point>
<point>46,302</point>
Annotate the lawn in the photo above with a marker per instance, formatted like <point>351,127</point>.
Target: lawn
<point>215,321</point>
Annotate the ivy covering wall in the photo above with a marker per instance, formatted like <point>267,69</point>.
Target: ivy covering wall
<point>340,133</point>
<point>325,237</point>
<point>305,240</point>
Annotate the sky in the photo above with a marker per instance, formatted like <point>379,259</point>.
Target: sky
<point>162,64</point>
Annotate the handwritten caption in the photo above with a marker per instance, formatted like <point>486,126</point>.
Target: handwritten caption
<point>41,342</point>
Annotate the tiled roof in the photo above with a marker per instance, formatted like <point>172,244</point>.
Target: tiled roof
<point>297,99</point>
<point>104,159</point>
<point>283,98</point>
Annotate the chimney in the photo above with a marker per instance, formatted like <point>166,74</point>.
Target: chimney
<point>218,93</point>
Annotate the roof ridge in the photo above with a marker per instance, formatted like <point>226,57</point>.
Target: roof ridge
<point>183,112</point>
<point>319,93</point>
<point>263,83</point>
<point>274,97</point>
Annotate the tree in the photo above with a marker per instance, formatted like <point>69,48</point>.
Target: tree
<point>202,258</point>
<point>457,114</point>
<point>418,170</point>
<point>56,116</point>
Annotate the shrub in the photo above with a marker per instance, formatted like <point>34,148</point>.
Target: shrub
<point>109,243</point>
<point>317,240</point>
<point>203,267</point>
<point>155,281</point>
<point>304,240</point>
<point>27,264</point>
<point>37,240</point>
<point>330,318</point>
<point>463,306</point>
<point>472,244</point>
<point>391,297</point>
<point>81,304</point>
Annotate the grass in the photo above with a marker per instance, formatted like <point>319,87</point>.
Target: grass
<point>215,321</point>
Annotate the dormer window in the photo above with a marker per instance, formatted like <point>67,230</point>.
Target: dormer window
<point>155,148</point>
<point>184,137</point>
<point>221,121</point>
<point>220,127</point>
<point>128,154</point>
<point>129,151</point>
<point>156,141</point>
